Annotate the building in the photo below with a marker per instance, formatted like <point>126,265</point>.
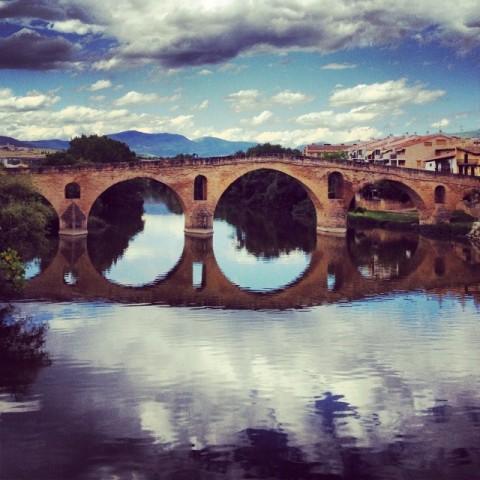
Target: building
<point>325,151</point>
<point>468,159</point>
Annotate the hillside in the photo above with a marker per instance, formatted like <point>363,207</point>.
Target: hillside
<point>150,144</point>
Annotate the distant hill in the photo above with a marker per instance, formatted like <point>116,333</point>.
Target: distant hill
<point>151,144</point>
<point>49,144</point>
<point>169,144</point>
<point>472,133</point>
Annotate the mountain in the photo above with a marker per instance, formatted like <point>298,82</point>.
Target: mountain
<point>49,144</point>
<point>12,141</point>
<point>169,144</point>
<point>151,144</point>
<point>220,147</point>
<point>473,134</point>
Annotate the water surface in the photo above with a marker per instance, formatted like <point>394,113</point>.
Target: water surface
<point>350,358</point>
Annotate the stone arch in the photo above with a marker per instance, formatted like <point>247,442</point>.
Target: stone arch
<point>418,202</point>
<point>133,178</point>
<point>308,190</point>
<point>72,191</point>
<point>335,185</point>
<point>440,194</point>
<point>119,181</point>
<point>200,188</point>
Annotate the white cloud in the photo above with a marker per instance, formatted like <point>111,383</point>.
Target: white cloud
<point>444,122</point>
<point>99,85</point>
<point>32,101</point>
<point>205,72</point>
<point>392,92</point>
<point>260,119</point>
<point>134,98</point>
<point>243,100</point>
<point>290,99</point>
<point>201,106</point>
<point>339,66</point>
<point>75,26</point>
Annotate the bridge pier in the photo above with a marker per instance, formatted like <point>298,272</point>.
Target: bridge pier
<point>437,215</point>
<point>73,222</point>
<point>199,221</point>
<point>332,219</point>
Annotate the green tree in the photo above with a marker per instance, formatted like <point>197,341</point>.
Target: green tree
<point>269,149</point>
<point>92,149</point>
<point>25,218</point>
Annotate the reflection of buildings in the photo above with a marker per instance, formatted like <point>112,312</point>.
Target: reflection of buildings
<point>339,270</point>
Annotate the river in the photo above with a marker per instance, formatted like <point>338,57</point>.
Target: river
<point>261,353</point>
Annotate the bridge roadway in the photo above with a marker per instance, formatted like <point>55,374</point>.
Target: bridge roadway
<point>332,276</point>
<point>200,182</point>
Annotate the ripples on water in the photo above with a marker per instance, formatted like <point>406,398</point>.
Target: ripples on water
<point>383,386</point>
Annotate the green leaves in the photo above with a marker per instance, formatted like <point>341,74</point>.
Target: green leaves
<point>92,149</point>
<point>12,271</point>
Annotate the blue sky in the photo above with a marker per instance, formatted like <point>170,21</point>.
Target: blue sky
<point>281,71</point>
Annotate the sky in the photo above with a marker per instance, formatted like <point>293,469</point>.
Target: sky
<point>292,72</point>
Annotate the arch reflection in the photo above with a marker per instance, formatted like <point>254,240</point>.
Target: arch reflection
<point>332,276</point>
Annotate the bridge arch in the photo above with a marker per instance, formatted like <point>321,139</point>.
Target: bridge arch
<point>238,175</point>
<point>418,202</point>
<point>151,178</point>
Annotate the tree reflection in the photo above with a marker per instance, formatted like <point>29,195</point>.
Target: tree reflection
<point>381,254</point>
<point>267,236</point>
<point>22,352</point>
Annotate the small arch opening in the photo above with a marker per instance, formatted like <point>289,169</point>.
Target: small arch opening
<point>72,191</point>
<point>440,194</point>
<point>335,185</point>
<point>200,188</point>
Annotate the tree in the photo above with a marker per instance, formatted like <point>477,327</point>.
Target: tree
<point>92,149</point>
<point>269,149</point>
<point>25,217</point>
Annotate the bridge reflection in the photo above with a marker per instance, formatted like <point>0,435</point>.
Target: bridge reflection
<point>340,270</point>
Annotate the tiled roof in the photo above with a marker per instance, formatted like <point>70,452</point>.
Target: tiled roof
<point>440,158</point>
<point>473,149</point>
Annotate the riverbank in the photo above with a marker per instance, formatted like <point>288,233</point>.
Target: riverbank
<point>459,225</point>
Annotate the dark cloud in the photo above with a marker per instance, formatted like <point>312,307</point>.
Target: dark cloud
<point>44,9</point>
<point>30,50</point>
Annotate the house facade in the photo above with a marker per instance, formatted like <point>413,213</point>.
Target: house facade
<point>468,159</point>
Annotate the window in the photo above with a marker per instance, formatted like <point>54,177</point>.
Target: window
<point>440,194</point>
<point>200,188</point>
<point>72,191</point>
<point>335,185</point>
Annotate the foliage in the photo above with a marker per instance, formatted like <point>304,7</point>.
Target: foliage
<point>25,216</point>
<point>338,155</point>
<point>269,149</point>
<point>12,271</point>
<point>472,198</point>
<point>22,351</point>
<point>385,189</point>
<point>267,189</point>
<point>92,149</point>
<point>21,340</point>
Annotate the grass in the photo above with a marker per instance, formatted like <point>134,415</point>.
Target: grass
<point>460,223</point>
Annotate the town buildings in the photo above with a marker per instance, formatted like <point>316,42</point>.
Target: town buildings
<point>436,152</point>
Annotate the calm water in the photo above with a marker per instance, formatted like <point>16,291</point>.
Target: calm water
<point>260,354</point>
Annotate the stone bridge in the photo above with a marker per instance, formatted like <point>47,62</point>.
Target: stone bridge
<point>333,275</point>
<point>200,182</point>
